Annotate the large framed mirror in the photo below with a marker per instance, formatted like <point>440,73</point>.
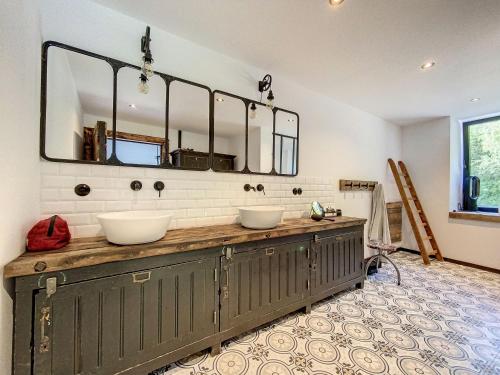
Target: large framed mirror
<point>77,105</point>
<point>94,109</point>
<point>230,150</point>
<point>286,142</point>
<point>188,145</point>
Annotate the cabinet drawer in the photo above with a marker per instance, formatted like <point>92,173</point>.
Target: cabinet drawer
<point>107,325</point>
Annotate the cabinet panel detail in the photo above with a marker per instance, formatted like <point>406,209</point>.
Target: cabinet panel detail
<point>110,324</point>
<point>256,282</point>
<point>336,259</point>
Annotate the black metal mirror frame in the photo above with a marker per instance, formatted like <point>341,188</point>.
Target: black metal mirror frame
<point>248,103</point>
<point>113,160</point>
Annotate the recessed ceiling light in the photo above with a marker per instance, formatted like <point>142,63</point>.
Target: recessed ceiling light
<point>475,100</point>
<point>133,106</point>
<point>335,3</point>
<point>220,99</point>
<point>427,65</point>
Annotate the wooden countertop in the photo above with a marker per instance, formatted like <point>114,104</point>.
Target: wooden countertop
<point>83,252</point>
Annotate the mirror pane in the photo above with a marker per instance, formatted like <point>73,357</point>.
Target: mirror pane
<point>286,143</point>
<point>189,124</point>
<point>260,139</point>
<point>140,119</point>
<point>229,133</point>
<point>79,91</point>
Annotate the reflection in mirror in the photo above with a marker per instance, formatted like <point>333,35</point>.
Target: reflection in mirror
<point>229,133</point>
<point>79,106</point>
<point>140,120</point>
<point>188,126</point>
<point>260,140</point>
<point>285,146</point>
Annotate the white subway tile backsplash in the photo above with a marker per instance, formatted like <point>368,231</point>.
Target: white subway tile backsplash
<point>192,198</point>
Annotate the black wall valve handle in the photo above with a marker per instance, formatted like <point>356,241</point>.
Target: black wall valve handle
<point>159,187</point>
<point>136,185</point>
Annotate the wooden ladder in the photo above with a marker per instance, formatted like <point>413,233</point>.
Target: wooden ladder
<point>415,213</point>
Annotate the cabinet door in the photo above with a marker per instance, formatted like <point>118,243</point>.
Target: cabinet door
<point>107,325</point>
<point>259,281</point>
<point>336,259</point>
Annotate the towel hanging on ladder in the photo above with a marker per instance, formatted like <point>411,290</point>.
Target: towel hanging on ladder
<point>378,229</point>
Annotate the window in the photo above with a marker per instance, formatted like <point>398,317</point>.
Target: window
<point>482,159</point>
<point>136,152</point>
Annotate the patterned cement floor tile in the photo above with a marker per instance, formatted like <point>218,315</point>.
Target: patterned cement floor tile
<point>443,319</point>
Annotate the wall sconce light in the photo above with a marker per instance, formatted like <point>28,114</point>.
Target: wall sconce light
<point>147,62</point>
<point>253,111</point>
<point>265,85</point>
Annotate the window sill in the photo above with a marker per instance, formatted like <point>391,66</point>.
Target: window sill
<point>477,216</point>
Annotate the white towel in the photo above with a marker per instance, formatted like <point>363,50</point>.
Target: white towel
<point>379,222</point>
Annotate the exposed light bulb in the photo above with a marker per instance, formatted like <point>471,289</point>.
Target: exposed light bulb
<point>253,111</point>
<point>270,99</point>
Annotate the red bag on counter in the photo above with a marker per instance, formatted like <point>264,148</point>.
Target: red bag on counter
<point>49,234</point>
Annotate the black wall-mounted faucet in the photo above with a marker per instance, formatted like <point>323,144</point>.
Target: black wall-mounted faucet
<point>260,187</point>
<point>159,187</point>
<point>249,187</point>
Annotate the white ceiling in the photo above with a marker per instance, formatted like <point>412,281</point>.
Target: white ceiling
<point>366,53</point>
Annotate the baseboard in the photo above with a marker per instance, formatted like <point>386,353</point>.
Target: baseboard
<point>462,263</point>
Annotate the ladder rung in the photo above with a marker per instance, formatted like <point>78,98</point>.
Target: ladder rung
<point>424,224</point>
<point>427,238</point>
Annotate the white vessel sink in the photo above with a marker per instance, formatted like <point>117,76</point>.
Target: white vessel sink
<point>261,217</point>
<point>134,227</point>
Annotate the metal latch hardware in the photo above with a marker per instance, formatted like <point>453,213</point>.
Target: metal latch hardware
<point>229,252</point>
<point>215,317</point>
<point>51,286</point>
<point>215,274</point>
<point>141,277</point>
<point>270,251</point>
<point>308,285</point>
<point>316,238</point>
<point>44,339</point>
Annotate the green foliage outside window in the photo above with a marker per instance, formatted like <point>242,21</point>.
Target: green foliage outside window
<point>484,160</point>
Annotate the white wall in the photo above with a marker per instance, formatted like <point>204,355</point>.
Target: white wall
<point>19,97</point>
<point>433,156</point>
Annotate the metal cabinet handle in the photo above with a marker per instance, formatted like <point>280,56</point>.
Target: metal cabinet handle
<point>141,277</point>
<point>270,251</point>
<point>44,339</point>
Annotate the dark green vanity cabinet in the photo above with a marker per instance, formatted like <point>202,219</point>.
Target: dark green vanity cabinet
<point>259,280</point>
<point>134,316</point>
<point>337,258</point>
<point>110,324</point>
